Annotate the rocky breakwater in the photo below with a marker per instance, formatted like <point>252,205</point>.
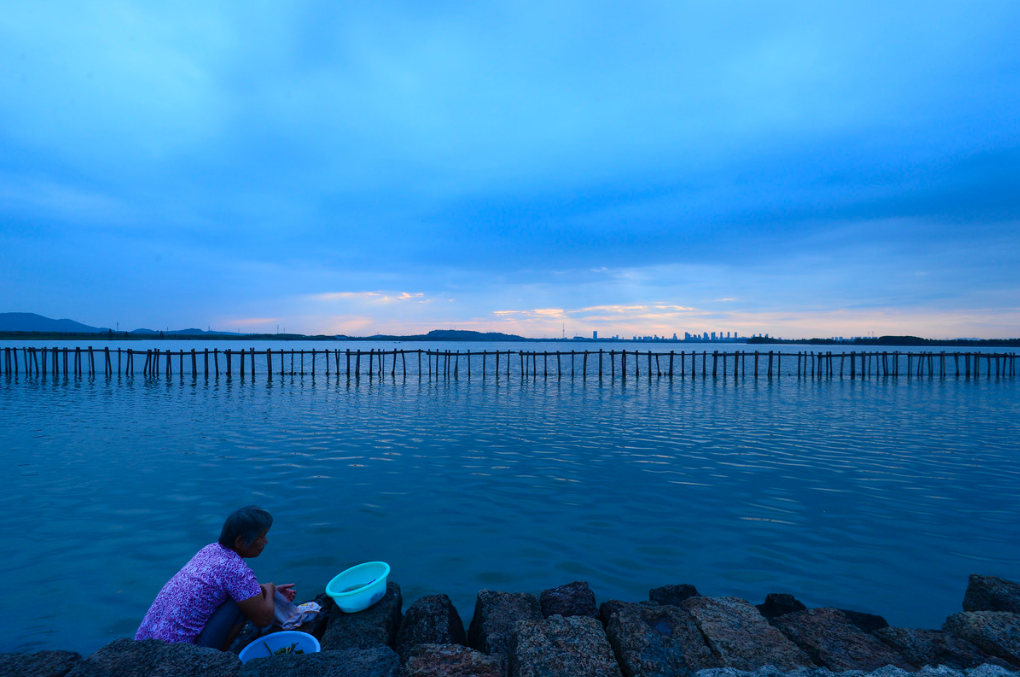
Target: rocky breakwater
<point>563,633</point>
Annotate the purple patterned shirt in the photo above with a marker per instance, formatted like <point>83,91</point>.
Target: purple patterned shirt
<point>188,600</point>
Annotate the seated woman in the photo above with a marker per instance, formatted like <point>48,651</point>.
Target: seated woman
<point>207,601</point>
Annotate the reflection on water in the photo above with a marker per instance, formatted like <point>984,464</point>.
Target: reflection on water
<point>879,495</point>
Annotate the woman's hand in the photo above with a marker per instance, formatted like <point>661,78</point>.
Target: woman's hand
<point>287,590</point>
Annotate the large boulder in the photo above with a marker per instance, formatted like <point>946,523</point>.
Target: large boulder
<point>656,641</point>
<point>375,626</point>
<point>740,636</point>
<point>935,647</point>
<point>672,594</point>
<point>572,599</point>
<point>865,621</point>
<point>380,661</point>
<point>449,660</point>
<point>495,615</point>
<point>994,632</point>
<point>779,603</point>
<point>574,646</point>
<point>430,620</point>
<point>156,658</point>
<point>988,593</point>
<point>834,642</point>
<point>39,664</point>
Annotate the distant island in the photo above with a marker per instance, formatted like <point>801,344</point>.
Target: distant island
<point>30,326</point>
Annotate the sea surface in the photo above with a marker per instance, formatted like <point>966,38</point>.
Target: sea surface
<point>879,494</point>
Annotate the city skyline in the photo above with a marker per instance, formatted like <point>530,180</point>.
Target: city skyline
<point>541,169</point>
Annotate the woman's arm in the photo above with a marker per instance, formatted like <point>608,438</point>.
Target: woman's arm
<point>260,608</point>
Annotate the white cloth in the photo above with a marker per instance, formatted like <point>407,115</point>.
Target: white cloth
<point>289,616</point>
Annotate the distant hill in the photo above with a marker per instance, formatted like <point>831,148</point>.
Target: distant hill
<point>451,335</point>
<point>33,322</point>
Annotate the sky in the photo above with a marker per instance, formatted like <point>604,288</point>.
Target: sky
<point>797,169</point>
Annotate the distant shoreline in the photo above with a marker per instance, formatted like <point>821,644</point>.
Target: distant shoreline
<point>478,337</point>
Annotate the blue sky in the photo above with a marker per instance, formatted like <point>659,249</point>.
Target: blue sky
<point>798,169</point>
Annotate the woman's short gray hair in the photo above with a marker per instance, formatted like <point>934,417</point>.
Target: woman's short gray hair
<point>247,522</point>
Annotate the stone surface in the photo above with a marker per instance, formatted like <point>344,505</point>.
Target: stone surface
<point>994,632</point>
<point>672,594</point>
<point>380,661</point>
<point>572,599</point>
<point>988,593</point>
<point>574,646</point>
<point>39,664</point>
<point>740,636</point>
<point>779,603</point>
<point>495,616</point>
<point>934,647</point>
<point>864,621</point>
<point>656,641</point>
<point>375,626</point>
<point>155,658</point>
<point>449,660</point>
<point>430,620</point>
<point>832,641</point>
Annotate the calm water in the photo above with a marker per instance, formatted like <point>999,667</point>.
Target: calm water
<point>880,495</point>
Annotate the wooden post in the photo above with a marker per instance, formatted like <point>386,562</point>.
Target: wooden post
<point>600,364</point>
<point>393,371</point>
<point>756,364</point>
<point>623,364</point>
<point>227,354</point>
<point>715,362</point>
<point>612,363</point>
<point>770,364</point>
<point>348,351</point>
<point>671,366</point>
<point>357,364</point>
<point>216,360</point>
<point>704,362</point>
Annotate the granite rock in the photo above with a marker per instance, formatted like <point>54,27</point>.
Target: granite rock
<point>375,626</point>
<point>989,670</point>
<point>740,637</point>
<point>656,641</point>
<point>935,647</point>
<point>779,603</point>
<point>988,593</point>
<point>39,664</point>
<point>380,661</point>
<point>865,621</point>
<point>832,641</point>
<point>430,620</point>
<point>672,594</point>
<point>572,599</point>
<point>449,660</point>
<point>994,632</point>
<point>155,658</point>
<point>574,646</point>
<point>495,615</point>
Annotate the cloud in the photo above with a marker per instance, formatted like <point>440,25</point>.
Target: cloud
<point>370,297</point>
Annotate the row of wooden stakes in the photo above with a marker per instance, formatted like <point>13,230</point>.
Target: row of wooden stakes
<point>447,363</point>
